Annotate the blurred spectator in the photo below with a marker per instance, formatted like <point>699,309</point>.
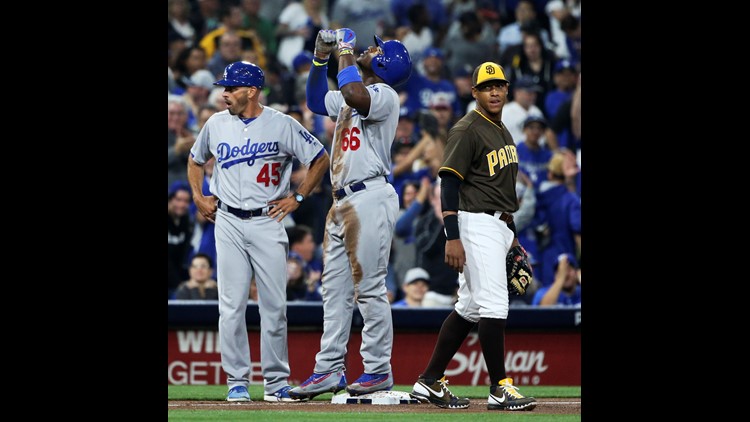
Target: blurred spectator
<point>206,111</point>
<point>516,112</point>
<point>298,28</point>
<point>566,289</point>
<point>302,245</point>
<point>416,283</point>
<point>413,199</point>
<point>468,47</point>
<point>462,82</point>
<point>253,21</point>
<point>441,107</point>
<point>535,63</point>
<point>205,18</point>
<point>175,45</point>
<point>216,99</point>
<point>439,18</point>
<point>231,22</point>
<point>430,245</point>
<point>511,33</point>
<point>566,123</point>
<point>230,51</point>
<point>560,209</point>
<point>557,10</point>
<point>178,12</point>
<point>204,238</point>
<point>406,164</point>
<point>526,235</point>
<point>189,61</point>
<point>199,86</point>
<point>533,157</point>
<point>572,28</point>
<point>200,286</point>
<point>565,84</point>
<point>179,140</point>
<point>365,18</point>
<point>179,233</point>
<point>416,37</point>
<point>423,88</point>
<point>299,285</point>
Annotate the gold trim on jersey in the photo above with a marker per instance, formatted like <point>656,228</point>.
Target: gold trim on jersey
<point>452,171</point>
<point>488,119</point>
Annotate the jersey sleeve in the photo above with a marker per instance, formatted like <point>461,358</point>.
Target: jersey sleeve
<point>304,146</point>
<point>333,102</point>
<point>200,150</point>
<point>383,99</point>
<point>458,154</point>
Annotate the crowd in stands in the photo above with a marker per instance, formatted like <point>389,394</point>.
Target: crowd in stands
<point>537,42</point>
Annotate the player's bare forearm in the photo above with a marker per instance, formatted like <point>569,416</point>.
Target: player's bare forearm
<point>206,205</point>
<point>314,174</point>
<point>355,93</point>
<point>285,206</point>
<point>455,256</point>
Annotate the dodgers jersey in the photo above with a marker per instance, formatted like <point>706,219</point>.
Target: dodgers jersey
<point>361,146</point>
<point>253,160</point>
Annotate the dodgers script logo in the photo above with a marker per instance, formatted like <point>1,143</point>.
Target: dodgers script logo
<point>249,152</point>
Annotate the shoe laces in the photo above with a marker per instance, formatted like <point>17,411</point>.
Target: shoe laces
<point>444,383</point>
<point>512,391</point>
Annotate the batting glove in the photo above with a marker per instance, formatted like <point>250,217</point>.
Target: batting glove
<point>325,43</point>
<point>346,39</point>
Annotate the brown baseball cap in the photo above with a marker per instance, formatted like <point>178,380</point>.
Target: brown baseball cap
<point>488,71</point>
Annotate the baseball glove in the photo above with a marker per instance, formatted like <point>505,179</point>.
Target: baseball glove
<point>518,270</point>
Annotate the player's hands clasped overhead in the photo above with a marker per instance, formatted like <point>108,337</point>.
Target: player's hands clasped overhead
<point>325,43</point>
<point>346,38</point>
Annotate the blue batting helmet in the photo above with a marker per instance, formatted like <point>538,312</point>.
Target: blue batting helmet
<point>394,65</point>
<point>242,74</point>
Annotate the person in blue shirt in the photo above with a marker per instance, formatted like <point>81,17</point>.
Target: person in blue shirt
<point>416,284</point>
<point>566,289</point>
<point>532,156</point>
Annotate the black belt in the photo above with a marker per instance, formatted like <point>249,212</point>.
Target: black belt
<point>243,214</point>
<point>507,217</point>
<point>355,187</point>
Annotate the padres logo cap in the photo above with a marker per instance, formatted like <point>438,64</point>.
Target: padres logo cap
<point>488,71</point>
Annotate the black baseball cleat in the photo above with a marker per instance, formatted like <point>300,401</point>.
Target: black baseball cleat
<point>436,392</point>
<point>505,396</point>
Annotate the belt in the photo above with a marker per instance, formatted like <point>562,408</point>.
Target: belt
<point>355,187</point>
<point>243,214</point>
<point>507,217</point>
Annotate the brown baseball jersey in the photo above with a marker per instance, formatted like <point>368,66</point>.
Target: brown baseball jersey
<point>483,155</point>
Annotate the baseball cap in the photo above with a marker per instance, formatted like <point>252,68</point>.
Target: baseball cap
<point>565,64</point>
<point>488,71</point>
<point>202,78</point>
<point>416,274</point>
<point>177,186</point>
<point>535,119</point>
<point>527,83</point>
<point>302,59</point>
<point>433,52</point>
<point>571,260</point>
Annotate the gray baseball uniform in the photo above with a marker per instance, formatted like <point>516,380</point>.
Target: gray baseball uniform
<point>253,167</point>
<point>359,229</point>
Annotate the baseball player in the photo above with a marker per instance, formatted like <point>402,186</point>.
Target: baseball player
<point>254,147</point>
<point>360,223</point>
<point>480,168</point>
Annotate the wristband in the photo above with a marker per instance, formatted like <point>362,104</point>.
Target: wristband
<point>451,226</point>
<point>348,75</point>
<point>319,62</point>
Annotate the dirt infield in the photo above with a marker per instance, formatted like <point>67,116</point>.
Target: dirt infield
<point>564,406</point>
